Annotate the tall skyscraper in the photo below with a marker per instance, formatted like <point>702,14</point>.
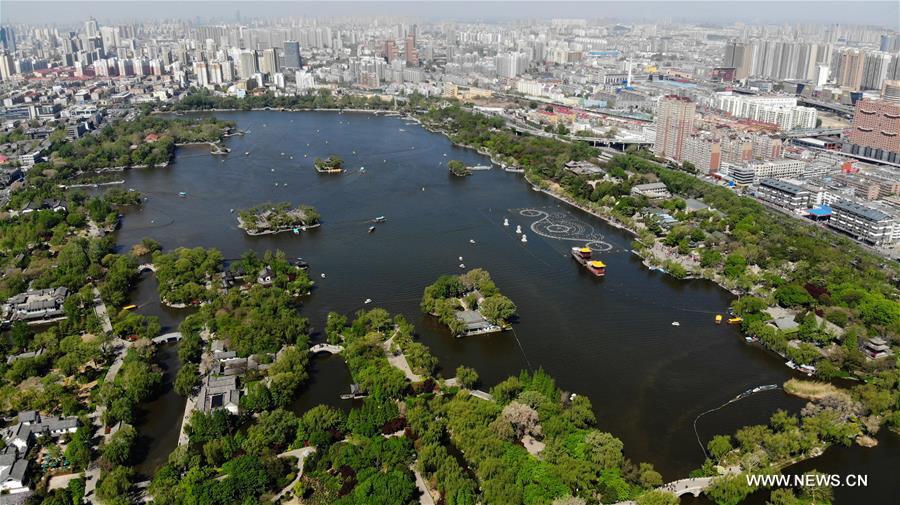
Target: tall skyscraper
<point>91,28</point>
<point>292,57</point>
<point>674,123</point>
<point>269,62</point>
<point>7,39</point>
<point>247,65</point>
<point>738,56</point>
<point>390,50</point>
<point>412,55</point>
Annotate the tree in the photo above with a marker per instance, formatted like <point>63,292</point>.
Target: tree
<point>274,430</point>
<point>657,497</point>
<point>719,446</point>
<point>793,295</point>
<point>115,484</point>
<point>320,425</point>
<point>458,168</point>
<point>118,450</point>
<point>729,490</point>
<point>466,377</point>
<point>497,308</point>
<point>187,380</point>
<point>603,449</point>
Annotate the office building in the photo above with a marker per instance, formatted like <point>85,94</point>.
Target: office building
<point>292,58</point>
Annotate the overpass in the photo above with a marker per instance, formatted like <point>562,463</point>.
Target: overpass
<point>812,132</point>
<point>838,108</point>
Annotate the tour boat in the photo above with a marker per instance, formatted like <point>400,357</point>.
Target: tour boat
<point>129,307</point>
<point>718,318</point>
<point>182,194</point>
<point>735,320</point>
<point>676,323</point>
<point>379,219</point>
<point>583,256</point>
<point>371,229</point>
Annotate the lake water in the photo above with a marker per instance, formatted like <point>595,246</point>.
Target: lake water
<point>611,339</point>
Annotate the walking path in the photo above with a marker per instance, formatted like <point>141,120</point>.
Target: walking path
<point>399,361</point>
<point>425,497</point>
<point>100,310</point>
<point>301,455</point>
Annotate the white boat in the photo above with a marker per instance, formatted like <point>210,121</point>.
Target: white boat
<point>231,210</point>
<point>445,155</point>
<point>460,258</point>
<point>246,153</point>
<point>282,154</point>
<point>676,323</point>
<point>506,222</point>
<point>471,240</point>
<point>362,169</point>
<point>371,229</point>
<point>323,276</point>
<point>518,229</point>
<point>272,170</point>
<point>291,157</point>
<point>276,184</point>
<point>368,300</point>
<point>462,265</point>
<point>524,238</point>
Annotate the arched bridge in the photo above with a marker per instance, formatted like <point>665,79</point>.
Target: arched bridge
<point>329,348</point>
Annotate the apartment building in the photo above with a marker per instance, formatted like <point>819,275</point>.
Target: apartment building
<point>863,223</point>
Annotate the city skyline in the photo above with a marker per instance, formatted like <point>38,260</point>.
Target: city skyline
<point>863,12</point>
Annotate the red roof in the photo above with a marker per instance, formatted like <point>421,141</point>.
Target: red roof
<point>151,137</point>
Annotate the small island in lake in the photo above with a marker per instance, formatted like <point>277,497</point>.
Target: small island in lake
<point>458,168</point>
<point>469,304</point>
<point>330,165</point>
<point>275,218</point>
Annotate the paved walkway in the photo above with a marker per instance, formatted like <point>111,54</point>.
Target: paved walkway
<point>425,497</point>
<point>301,455</point>
<point>100,310</point>
<point>399,361</point>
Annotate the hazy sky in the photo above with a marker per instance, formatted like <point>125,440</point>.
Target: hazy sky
<point>886,13</point>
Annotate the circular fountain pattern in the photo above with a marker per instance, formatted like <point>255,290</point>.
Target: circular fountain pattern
<point>561,225</point>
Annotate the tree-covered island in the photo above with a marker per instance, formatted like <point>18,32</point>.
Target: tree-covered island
<point>330,165</point>
<point>275,218</point>
<point>458,168</point>
<point>469,304</point>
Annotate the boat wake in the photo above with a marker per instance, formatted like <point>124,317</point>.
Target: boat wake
<point>563,226</point>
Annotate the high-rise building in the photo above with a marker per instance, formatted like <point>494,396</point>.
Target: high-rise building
<point>200,71</point>
<point>269,62</point>
<point>292,57</point>
<point>738,56</point>
<point>412,55</point>
<point>7,39</point>
<point>91,28</point>
<point>891,92</point>
<point>7,66</point>
<point>674,123</point>
<point>390,50</point>
<point>875,69</point>
<point>875,132</point>
<point>247,66</point>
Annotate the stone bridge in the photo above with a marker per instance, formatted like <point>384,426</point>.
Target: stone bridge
<point>168,337</point>
<point>146,267</point>
<point>329,348</point>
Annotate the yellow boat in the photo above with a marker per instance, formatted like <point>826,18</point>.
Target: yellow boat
<point>718,318</point>
<point>735,320</point>
<point>129,307</point>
